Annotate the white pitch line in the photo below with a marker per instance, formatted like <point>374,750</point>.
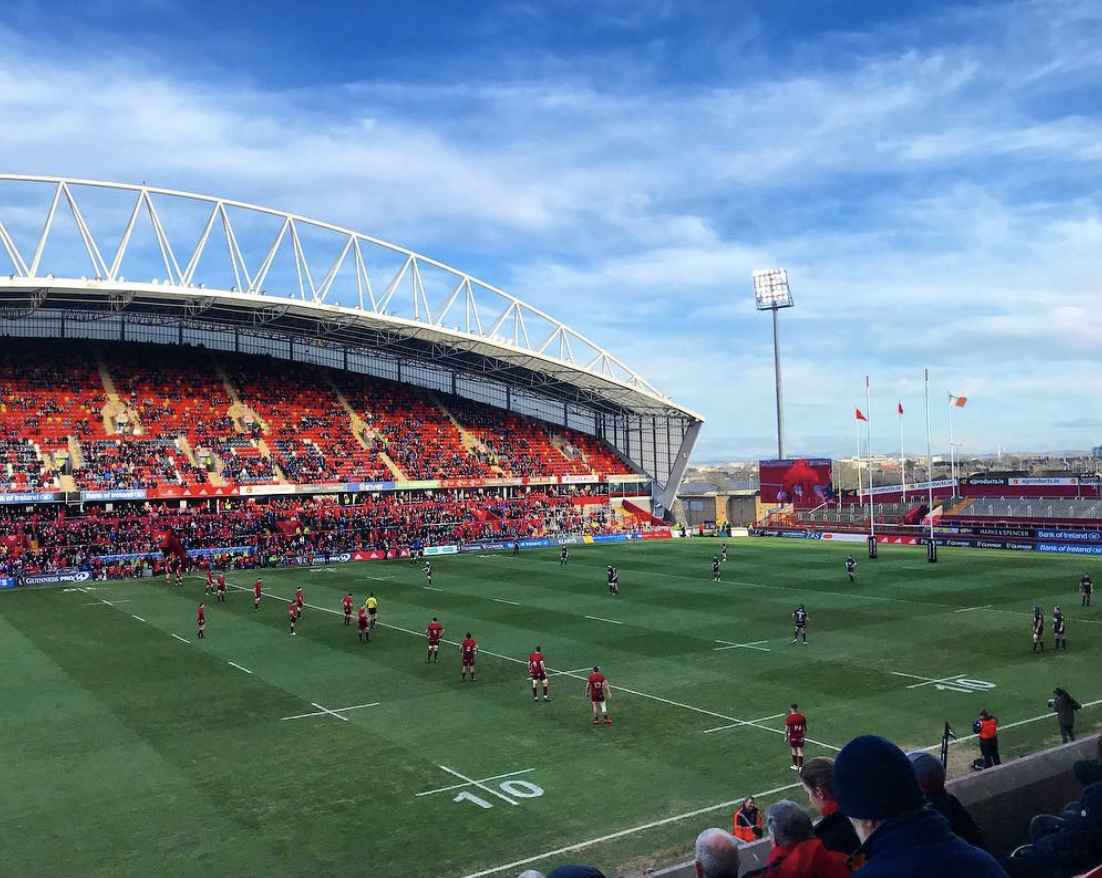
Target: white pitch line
<point>736,725</point>
<point>335,710</point>
<point>570,673</point>
<point>236,665</point>
<point>379,578</point>
<point>620,688</point>
<point>181,639</point>
<point>503,601</point>
<point>481,780</point>
<point>430,588</point>
<point>624,832</point>
<point>104,601</point>
<point>139,618</point>
<point>970,609</point>
<point>928,682</point>
<point>478,784</point>
<point>599,619</point>
<point>330,712</point>
<point>756,644</point>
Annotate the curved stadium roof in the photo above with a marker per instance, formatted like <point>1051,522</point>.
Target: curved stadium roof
<point>279,268</point>
<point>91,250</point>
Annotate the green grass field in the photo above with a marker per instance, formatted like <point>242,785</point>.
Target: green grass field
<point>131,753</point>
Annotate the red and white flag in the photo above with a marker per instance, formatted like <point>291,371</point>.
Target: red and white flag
<point>860,415</point>
<point>958,401</point>
<point>901,408</point>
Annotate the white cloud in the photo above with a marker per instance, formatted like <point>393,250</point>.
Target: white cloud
<point>928,200</point>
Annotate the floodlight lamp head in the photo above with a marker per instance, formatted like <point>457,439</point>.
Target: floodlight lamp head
<point>771,289</point>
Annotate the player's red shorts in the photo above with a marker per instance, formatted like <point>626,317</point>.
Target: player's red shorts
<point>597,696</point>
<point>362,622</point>
<point>468,658</point>
<point>795,742</point>
<point>435,641</point>
<point>539,675</point>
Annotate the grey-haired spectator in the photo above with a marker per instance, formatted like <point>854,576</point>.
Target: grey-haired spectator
<point>796,852</point>
<point>716,854</point>
<point>530,873</point>
<point>931,778</point>
<point>900,837</point>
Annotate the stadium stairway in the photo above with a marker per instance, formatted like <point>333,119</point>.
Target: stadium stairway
<point>243,414</point>
<point>363,431</point>
<point>470,442</point>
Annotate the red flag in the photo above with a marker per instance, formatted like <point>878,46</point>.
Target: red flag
<point>901,408</point>
<point>860,416</point>
<point>958,401</point>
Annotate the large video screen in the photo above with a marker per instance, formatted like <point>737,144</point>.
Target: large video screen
<point>805,483</point>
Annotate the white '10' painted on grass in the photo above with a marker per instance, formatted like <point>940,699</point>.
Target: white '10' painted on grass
<point>521,789</point>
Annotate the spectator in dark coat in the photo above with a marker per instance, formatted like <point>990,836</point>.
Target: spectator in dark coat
<point>575,871</point>
<point>900,836</point>
<point>832,828</point>
<point>1088,771</point>
<point>931,778</point>
<point>1072,845</point>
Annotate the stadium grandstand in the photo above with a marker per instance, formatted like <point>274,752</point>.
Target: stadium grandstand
<point>162,347</point>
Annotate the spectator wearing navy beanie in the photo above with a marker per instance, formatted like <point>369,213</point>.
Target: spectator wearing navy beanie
<point>877,789</point>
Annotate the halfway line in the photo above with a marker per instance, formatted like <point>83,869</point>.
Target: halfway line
<point>599,619</point>
<point>503,601</point>
<point>181,639</point>
<point>236,665</point>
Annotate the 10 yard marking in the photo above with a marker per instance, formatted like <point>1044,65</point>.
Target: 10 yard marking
<point>508,790</point>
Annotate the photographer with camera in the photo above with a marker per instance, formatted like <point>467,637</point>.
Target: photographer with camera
<point>1065,707</point>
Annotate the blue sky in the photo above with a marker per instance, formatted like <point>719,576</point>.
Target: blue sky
<point>928,173</point>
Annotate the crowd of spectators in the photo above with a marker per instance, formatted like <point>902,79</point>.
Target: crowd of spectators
<point>286,530</point>
<point>174,421</point>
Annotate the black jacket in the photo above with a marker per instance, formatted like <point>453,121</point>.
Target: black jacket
<point>837,833</point>
<point>960,821</point>
<point>1074,848</point>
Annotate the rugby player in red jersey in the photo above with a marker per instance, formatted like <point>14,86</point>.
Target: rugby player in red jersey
<point>299,600</point>
<point>201,619</point>
<point>795,728</point>
<point>210,581</point>
<point>292,613</point>
<point>346,604</point>
<point>256,593</point>
<point>598,690</point>
<point>433,633</point>
<point>221,586</point>
<point>468,649</point>
<point>538,671</point>
<point>363,626</point>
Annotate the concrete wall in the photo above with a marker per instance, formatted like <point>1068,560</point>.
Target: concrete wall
<point>1002,800</point>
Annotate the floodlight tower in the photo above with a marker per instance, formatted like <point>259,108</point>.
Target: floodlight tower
<point>772,293</point>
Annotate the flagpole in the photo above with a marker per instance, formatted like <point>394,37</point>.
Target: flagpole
<point>929,466</point>
<point>952,447</point>
<point>857,430</point>
<point>868,426</point>
<point>902,458</point>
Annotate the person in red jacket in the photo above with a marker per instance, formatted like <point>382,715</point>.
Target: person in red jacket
<point>796,852</point>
